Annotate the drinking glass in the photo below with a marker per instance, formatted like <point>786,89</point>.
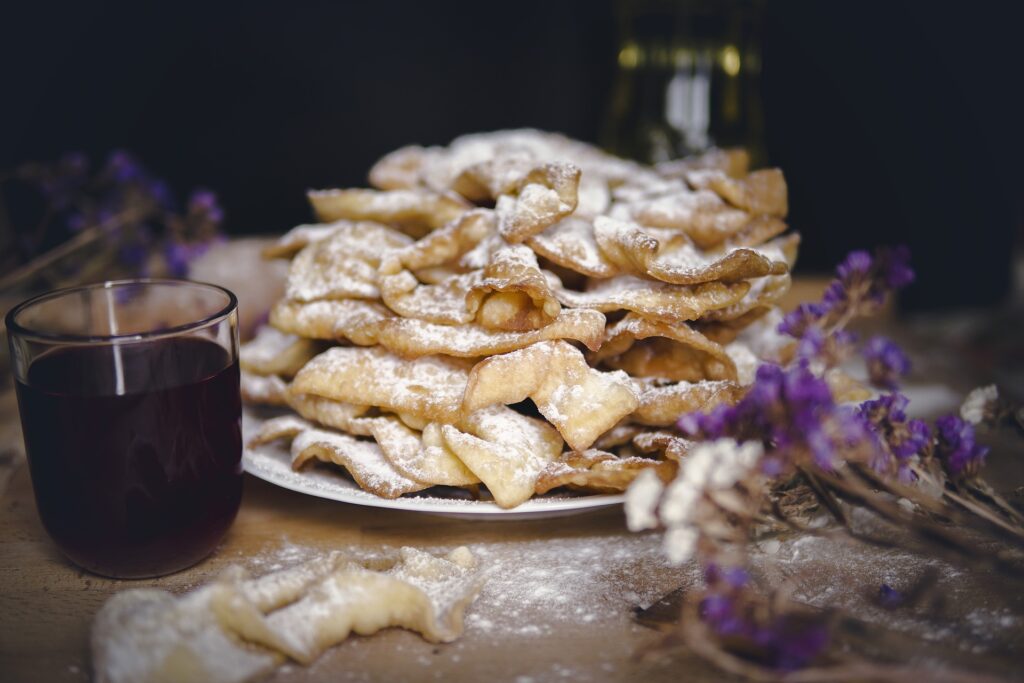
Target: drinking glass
<point>130,408</point>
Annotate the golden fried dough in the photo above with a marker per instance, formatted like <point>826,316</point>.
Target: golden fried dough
<point>673,351</point>
<point>272,352</point>
<point>413,338</point>
<point>675,260</point>
<point>506,450</point>
<point>661,404</point>
<point>599,472</point>
<point>347,319</point>
<point>342,265</point>
<point>571,244</point>
<point>658,300</point>
<point>429,387</point>
<point>414,212</point>
<point>582,403</point>
<point>444,245</point>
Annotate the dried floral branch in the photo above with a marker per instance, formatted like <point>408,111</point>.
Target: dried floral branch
<point>792,445</point>
<point>127,218</point>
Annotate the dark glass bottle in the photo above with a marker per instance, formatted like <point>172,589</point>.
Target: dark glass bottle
<point>688,78</point>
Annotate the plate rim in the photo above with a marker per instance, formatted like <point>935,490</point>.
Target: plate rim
<point>440,506</point>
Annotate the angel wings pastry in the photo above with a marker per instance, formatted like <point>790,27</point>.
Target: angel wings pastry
<point>518,312</point>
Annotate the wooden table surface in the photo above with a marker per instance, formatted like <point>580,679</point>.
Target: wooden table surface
<point>46,604</point>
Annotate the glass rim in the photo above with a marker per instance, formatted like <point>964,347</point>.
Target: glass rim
<point>18,330</point>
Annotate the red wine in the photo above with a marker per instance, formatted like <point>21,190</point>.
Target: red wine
<point>135,452</point>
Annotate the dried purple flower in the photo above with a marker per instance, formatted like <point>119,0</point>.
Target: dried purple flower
<point>956,448</point>
<point>63,182</point>
<point>122,167</point>
<point>803,317</point>
<point>889,597</point>
<point>894,266</point>
<point>887,364</point>
<point>791,412</point>
<point>896,437</point>
<point>203,205</point>
<point>785,642</point>
<point>861,286</point>
<point>825,350</point>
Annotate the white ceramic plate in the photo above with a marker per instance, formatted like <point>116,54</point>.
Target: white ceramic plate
<point>272,463</point>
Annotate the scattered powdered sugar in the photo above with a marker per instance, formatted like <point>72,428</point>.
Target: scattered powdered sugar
<point>535,587</point>
<point>532,588</point>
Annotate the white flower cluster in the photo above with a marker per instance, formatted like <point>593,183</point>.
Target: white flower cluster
<point>979,402</point>
<point>710,466</point>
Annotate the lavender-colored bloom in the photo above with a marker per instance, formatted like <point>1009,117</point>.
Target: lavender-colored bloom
<point>161,194</point>
<point>204,202</point>
<point>897,438</point>
<point>861,286</point>
<point>63,182</point>
<point>812,343</point>
<point>887,364</point>
<point>894,266</point>
<point>796,645</point>
<point>76,222</point>
<point>784,642</point>
<point>123,168</point>
<point>956,448</point>
<point>791,412</point>
<point>177,256</point>
<point>804,316</point>
<point>889,596</point>
<point>856,264</point>
<point>917,436</point>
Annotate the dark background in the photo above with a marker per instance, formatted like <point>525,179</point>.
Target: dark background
<point>894,122</point>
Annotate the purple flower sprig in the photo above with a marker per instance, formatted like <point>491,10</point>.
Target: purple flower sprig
<point>135,211</point>
<point>886,362</point>
<point>733,611</point>
<point>862,284</point>
<point>956,449</point>
<point>793,414</point>
<point>896,438</point>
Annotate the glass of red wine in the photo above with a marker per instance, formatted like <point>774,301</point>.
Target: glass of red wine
<point>130,408</point>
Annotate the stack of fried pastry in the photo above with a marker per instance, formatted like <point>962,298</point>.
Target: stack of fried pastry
<point>520,310</point>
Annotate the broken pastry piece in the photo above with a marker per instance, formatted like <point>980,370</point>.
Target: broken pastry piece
<point>364,460</point>
<point>506,450</point>
<point>238,629</point>
<point>582,403</point>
